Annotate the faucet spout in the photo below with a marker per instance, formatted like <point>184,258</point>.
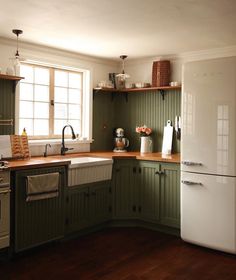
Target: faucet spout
<point>63,148</point>
<point>46,149</point>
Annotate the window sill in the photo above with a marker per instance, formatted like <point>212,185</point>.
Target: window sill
<point>42,142</point>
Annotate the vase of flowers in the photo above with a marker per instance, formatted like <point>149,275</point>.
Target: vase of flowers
<point>146,141</point>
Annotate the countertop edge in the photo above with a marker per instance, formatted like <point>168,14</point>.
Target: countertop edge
<point>58,160</point>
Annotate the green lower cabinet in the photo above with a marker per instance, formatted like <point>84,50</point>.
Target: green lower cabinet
<point>100,203</point>
<point>124,188</point>
<point>87,205</point>
<point>149,191</point>
<point>170,195</point>
<point>77,208</point>
<point>39,221</point>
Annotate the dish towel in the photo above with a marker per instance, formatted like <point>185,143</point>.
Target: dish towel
<point>42,186</point>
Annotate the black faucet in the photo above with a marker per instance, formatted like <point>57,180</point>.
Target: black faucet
<point>63,148</point>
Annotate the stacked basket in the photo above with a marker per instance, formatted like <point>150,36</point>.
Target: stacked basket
<point>161,73</point>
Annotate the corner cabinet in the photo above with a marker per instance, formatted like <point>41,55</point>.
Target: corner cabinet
<point>7,104</point>
<point>40,221</point>
<point>87,205</point>
<point>147,191</point>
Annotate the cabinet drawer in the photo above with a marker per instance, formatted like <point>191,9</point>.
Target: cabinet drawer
<point>4,177</point>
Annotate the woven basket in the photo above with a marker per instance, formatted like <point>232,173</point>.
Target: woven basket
<point>160,73</point>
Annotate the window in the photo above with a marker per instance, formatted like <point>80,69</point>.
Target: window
<point>50,98</point>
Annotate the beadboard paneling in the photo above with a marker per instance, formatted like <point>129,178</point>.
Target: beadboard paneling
<point>142,108</point>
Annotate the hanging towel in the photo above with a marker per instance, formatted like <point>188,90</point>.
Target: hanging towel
<point>42,186</point>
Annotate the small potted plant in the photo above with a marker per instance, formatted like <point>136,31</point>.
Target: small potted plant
<point>146,141</point>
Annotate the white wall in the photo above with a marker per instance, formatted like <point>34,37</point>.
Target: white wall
<point>140,70</point>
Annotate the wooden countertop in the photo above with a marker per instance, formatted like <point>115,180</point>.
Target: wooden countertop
<point>39,162</point>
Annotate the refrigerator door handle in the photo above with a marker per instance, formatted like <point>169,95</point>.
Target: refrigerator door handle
<point>190,183</point>
<point>191,163</point>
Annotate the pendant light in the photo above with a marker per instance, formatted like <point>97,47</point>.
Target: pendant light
<point>122,76</point>
<point>17,32</point>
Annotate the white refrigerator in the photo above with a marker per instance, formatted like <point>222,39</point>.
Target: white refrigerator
<point>208,154</point>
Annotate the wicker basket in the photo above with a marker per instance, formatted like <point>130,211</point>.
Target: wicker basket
<point>161,73</point>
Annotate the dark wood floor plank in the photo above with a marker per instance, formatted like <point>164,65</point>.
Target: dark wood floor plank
<point>121,254</point>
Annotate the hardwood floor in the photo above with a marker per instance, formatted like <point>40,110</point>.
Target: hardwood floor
<point>121,254</point>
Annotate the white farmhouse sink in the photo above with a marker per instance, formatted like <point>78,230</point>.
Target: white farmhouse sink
<point>84,170</point>
<point>89,161</point>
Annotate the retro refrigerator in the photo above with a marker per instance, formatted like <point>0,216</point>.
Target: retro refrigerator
<point>208,154</point>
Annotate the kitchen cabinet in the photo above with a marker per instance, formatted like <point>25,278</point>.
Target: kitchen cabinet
<point>37,222</point>
<point>170,194</point>
<point>148,191</point>
<point>7,104</point>
<point>87,205</point>
<point>124,189</point>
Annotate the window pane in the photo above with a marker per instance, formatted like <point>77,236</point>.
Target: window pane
<point>74,112</point>
<point>27,124</point>
<point>74,96</point>
<point>76,126</point>
<point>60,111</point>
<point>60,95</point>
<point>41,110</point>
<point>58,125</point>
<point>74,80</point>
<point>41,127</point>
<point>27,72</point>
<point>61,78</point>
<point>41,76</point>
<point>26,109</point>
<point>41,93</point>
<point>26,91</point>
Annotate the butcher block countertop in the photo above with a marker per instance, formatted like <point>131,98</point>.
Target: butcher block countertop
<point>39,162</point>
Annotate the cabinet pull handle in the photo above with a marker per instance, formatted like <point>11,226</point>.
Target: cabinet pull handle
<point>160,172</point>
<point>191,163</point>
<point>134,169</point>
<point>134,208</point>
<point>139,170</point>
<point>86,194</point>
<point>140,209</point>
<point>190,183</point>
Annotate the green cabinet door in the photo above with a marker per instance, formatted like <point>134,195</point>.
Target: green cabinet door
<point>100,202</point>
<point>149,191</point>
<point>37,222</point>
<point>77,208</point>
<point>125,189</point>
<point>7,106</point>
<point>87,205</point>
<point>170,195</point>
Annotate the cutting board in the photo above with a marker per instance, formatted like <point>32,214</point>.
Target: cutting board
<point>14,146</point>
<point>167,138</point>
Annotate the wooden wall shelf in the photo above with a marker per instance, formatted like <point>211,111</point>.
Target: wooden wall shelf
<point>129,90</point>
<point>10,77</point>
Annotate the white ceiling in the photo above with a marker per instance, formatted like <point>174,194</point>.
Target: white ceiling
<point>109,28</point>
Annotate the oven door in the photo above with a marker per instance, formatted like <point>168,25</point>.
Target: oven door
<point>4,216</point>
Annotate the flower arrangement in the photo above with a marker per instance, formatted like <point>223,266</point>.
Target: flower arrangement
<point>143,130</point>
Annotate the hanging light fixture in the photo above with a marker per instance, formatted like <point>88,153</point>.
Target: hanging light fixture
<point>17,32</point>
<point>122,76</point>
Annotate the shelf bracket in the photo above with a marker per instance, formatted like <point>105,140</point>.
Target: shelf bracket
<point>162,92</point>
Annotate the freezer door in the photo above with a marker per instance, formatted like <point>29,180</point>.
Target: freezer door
<point>209,117</point>
<point>208,211</point>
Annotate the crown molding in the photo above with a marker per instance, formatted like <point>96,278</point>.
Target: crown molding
<point>32,47</point>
